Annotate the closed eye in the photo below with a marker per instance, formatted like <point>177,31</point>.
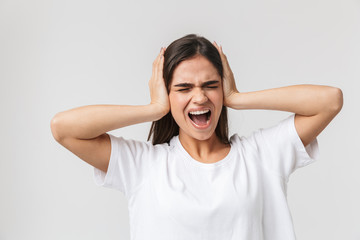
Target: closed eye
<point>183,89</point>
<point>211,84</point>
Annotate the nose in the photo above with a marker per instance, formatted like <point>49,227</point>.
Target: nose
<point>199,96</point>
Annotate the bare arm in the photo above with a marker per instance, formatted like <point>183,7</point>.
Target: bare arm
<point>83,130</point>
<point>88,122</point>
<point>315,106</point>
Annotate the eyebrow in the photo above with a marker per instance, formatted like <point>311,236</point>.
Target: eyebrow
<point>203,85</point>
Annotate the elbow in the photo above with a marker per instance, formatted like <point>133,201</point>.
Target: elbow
<point>55,127</point>
<point>335,99</point>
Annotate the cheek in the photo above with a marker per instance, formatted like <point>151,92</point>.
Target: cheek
<point>177,102</point>
<point>217,97</point>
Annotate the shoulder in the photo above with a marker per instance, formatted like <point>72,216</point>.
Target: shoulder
<point>133,145</point>
<point>260,136</point>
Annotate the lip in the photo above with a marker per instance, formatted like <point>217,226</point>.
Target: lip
<point>197,109</point>
<point>208,123</point>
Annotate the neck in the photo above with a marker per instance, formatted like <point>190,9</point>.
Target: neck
<point>209,150</point>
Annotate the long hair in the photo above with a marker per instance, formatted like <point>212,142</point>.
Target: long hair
<point>184,48</point>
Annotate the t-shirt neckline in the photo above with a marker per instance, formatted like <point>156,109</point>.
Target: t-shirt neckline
<point>187,157</point>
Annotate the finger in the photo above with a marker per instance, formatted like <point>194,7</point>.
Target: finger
<point>162,52</point>
<point>160,58</point>
<point>160,66</point>
<point>217,47</point>
<point>222,54</point>
<point>157,60</point>
<point>161,55</point>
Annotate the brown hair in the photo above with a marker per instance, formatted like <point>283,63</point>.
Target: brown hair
<point>180,50</point>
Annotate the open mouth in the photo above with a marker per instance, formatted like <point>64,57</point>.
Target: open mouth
<point>200,118</point>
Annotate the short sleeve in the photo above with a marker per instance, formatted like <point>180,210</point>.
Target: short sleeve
<point>128,165</point>
<point>282,150</point>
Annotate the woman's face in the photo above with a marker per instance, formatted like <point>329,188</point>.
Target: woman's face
<point>196,97</point>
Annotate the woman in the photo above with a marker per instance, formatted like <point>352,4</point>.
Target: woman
<point>192,181</point>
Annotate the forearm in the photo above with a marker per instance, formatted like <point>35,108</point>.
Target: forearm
<point>88,122</point>
<point>307,100</point>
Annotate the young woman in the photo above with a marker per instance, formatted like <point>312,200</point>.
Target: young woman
<point>192,181</point>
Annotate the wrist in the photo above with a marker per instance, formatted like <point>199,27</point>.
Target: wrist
<point>158,110</point>
<point>233,100</point>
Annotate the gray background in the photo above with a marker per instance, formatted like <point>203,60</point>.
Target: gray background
<point>57,55</point>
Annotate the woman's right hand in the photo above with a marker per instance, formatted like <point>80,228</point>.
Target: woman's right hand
<point>158,92</point>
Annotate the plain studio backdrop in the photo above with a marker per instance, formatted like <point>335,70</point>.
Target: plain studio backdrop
<point>58,55</point>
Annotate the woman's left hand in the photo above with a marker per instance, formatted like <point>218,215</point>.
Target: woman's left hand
<point>229,86</point>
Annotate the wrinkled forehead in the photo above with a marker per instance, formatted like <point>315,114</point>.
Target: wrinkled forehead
<point>195,70</point>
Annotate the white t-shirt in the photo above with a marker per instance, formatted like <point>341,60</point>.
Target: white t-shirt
<point>172,196</point>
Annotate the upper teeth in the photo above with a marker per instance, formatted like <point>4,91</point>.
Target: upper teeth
<point>199,112</point>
